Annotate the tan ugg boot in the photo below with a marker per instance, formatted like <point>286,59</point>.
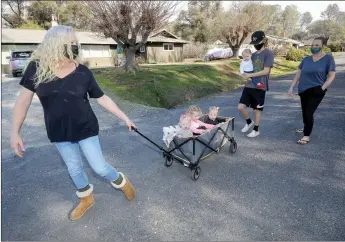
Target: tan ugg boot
<point>86,202</point>
<point>126,187</point>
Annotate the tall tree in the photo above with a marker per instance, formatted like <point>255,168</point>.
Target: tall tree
<point>273,25</point>
<point>131,22</point>
<point>332,26</point>
<point>75,14</point>
<point>289,20</point>
<point>306,19</point>
<point>41,12</point>
<point>301,35</point>
<point>13,12</point>
<point>71,13</point>
<point>240,21</point>
<point>195,23</point>
<point>331,13</point>
<point>329,29</point>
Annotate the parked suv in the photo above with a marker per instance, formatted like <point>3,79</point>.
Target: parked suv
<point>218,53</point>
<point>18,60</point>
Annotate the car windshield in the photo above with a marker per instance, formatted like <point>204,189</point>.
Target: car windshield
<point>21,55</point>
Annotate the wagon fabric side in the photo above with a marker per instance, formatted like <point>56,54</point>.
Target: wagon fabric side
<point>192,150</point>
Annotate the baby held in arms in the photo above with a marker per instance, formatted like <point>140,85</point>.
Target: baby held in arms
<point>198,127</point>
<point>247,67</point>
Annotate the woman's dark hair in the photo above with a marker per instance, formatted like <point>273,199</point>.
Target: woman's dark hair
<point>321,38</point>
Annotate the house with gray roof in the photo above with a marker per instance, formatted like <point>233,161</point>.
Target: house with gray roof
<point>97,51</point>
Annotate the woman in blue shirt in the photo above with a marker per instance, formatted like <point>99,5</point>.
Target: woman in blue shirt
<point>315,74</point>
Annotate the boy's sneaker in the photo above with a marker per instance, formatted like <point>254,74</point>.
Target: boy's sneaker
<point>253,134</point>
<point>260,85</point>
<point>247,127</point>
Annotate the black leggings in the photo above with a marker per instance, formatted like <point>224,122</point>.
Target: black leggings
<point>310,100</point>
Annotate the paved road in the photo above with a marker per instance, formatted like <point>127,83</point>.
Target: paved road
<point>271,189</point>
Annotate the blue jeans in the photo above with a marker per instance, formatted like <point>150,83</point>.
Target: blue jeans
<point>91,148</point>
<point>254,79</point>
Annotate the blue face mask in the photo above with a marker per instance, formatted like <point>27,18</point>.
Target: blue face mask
<point>315,50</point>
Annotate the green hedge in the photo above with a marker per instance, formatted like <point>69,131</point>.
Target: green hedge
<point>298,54</point>
<point>335,47</point>
<point>325,49</point>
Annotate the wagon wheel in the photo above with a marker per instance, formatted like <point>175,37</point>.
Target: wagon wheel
<point>168,161</point>
<point>233,147</point>
<point>196,173</point>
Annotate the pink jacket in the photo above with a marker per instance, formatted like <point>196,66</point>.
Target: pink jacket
<point>196,124</point>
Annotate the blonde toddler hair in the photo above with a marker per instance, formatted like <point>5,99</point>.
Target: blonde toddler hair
<point>246,51</point>
<point>214,108</point>
<point>193,110</point>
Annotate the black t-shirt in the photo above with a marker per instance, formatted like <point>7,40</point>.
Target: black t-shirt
<point>214,122</point>
<point>68,115</point>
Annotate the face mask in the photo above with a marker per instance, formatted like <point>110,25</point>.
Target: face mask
<point>259,46</point>
<point>74,49</point>
<point>315,50</point>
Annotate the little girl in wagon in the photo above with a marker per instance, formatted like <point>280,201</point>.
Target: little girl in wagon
<point>198,127</point>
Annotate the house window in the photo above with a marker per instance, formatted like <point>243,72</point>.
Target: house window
<point>168,47</point>
<point>95,51</point>
<point>142,49</point>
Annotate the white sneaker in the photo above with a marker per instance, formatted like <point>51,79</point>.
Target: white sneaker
<point>253,134</point>
<point>247,127</point>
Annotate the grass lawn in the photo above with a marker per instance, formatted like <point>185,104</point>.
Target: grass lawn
<point>283,67</point>
<point>171,85</point>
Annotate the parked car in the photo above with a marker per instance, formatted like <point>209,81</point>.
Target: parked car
<point>18,60</point>
<point>218,53</point>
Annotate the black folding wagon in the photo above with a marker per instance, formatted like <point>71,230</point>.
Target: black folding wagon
<point>190,151</point>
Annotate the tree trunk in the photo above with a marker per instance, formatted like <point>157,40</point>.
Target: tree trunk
<point>235,50</point>
<point>130,64</point>
<point>326,40</point>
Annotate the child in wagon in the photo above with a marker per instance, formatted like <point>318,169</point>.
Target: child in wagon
<point>212,116</point>
<point>198,127</point>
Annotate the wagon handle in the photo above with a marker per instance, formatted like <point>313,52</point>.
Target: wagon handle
<point>159,147</point>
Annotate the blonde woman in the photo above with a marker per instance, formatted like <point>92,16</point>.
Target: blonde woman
<point>63,86</point>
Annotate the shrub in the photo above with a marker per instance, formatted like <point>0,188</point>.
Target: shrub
<point>296,54</point>
<point>324,49</point>
<point>30,25</point>
<point>279,51</point>
<point>306,49</point>
<point>195,50</point>
<point>327,50</point>
<point>335,47</point>
<point>140,60</point>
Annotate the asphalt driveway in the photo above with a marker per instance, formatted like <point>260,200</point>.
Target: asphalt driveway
<point>270,189</point>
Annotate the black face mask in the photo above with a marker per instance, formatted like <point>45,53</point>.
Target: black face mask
<point>259,46</point>
<point>74,49</point>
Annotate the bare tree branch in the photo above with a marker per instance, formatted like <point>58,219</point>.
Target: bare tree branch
<point>241,20</point>
<point>15,18</point>
<point>130,23</point>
